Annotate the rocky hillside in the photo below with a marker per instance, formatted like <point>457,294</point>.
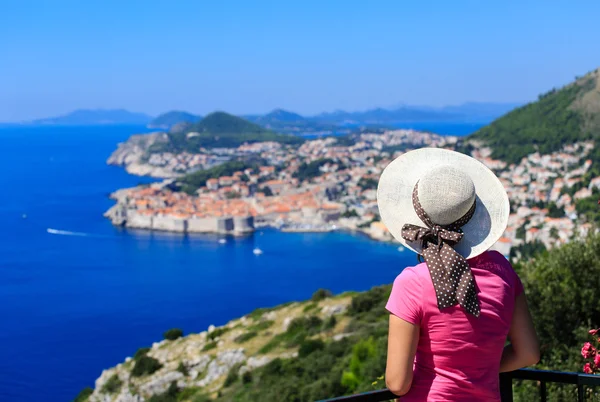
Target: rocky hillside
<point>133,155</point>
<point>201,366</point>
<point>331,346</point>
<point>560,116</point>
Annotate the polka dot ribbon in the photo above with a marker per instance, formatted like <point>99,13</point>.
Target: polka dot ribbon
<point>450,271</point>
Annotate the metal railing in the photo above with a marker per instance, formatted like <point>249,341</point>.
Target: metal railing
<point>580,380</point>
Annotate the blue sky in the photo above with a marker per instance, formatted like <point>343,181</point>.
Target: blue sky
<point>307,56</point>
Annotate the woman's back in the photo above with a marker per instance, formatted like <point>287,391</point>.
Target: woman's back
<point>458,355</point>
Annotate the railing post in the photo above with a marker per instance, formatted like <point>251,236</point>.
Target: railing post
<point>506,393</point>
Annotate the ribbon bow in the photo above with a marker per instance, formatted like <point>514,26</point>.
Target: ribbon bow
<point>450,272</point>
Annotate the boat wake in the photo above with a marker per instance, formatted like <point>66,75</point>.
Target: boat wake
<point>66,233</point>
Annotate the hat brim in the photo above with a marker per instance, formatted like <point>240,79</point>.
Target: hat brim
<point>394,198</point>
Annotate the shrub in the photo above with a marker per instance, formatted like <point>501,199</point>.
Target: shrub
<point>232,376</point>
<point>172,334</point>
<point>112,385</point>
<point>145,365</point>
<point>182,369</point>
<point>209,346</point>
<point>309,307</point>
<point>170,395</point>
<point>309,324</point>
<point>141,352</point>
<point>309,346</point>
<point>330,323</point>
<point>245,337</point>
<point>320,295</point>
<point>261,325</point>
<point>217,333</point>
<point>371,301</point>
<point>188,392</point>
<point>269,346</point>
<point>83,395</point>
<point>247,377</point>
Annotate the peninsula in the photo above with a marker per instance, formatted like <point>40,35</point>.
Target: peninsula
<point>224,174</point>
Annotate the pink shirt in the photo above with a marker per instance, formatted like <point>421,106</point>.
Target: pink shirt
<point>458,355</point>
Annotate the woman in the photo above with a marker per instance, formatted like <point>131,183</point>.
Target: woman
<point>451,314</point>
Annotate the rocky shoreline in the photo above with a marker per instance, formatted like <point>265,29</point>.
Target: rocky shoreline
<point>201,362</point>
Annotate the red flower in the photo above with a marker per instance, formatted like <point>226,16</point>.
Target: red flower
<point>597,360</point>
<point>587,368</point>
<point>593,331</point>
<point>587,350</point>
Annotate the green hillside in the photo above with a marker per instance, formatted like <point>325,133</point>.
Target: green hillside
<point>558,117</point>
<point>166,120</point>
<point>220,129</point>
<point>345,353</point>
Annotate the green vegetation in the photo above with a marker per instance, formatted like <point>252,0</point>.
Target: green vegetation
<point>193,181</point>
<point>83,395</point>
<point>220,129</point>
<point>172,334</point>
<point>367,183</point>
<point>307,171</point>
<point>168,119</point>
<point>217,333</point>
<point>563,289</point>
<point>527,250</point>
<point>345,140</point>
<point>209,346</point>
<point>113,384</point>
<point>554,211</point>
<point>261,325</point>
<point>309,307</point>
<point>321,294</point>
<point>266,190</point>
<point>247,377</point>
<point>233,375</point>
<point>589,208</point>
<point>141,352</point>
<point>298,330</point>
<point>170,395</point>
<point>318,371</point>
<point>245,337</point>
<point>350,213</point>
<point>309,346</point>
<point>145,365</point>
<point>182,369</point>
<point>559,117</point>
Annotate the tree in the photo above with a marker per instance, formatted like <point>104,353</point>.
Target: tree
<point>266,190</point>
<point>321,294</point>
<point>145,365</point>
<point>172,334</point>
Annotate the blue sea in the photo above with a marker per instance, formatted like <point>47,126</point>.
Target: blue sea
<point>83,298</point>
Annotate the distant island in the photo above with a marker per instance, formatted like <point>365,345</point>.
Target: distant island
<point>95,117</point>
<point>284,121</point>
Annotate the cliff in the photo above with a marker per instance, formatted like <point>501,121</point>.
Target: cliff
<point>203,364</point>
<point>133,155</point>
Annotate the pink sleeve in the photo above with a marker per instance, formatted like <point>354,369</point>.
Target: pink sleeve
<point>405,299</point>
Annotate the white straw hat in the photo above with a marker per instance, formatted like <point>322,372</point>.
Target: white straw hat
<point>449,183</point>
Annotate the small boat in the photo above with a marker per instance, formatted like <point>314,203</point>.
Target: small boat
<point>401,248</point>
<point>222,241</point>
<point>24,216</point>
<point>257,251</point>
